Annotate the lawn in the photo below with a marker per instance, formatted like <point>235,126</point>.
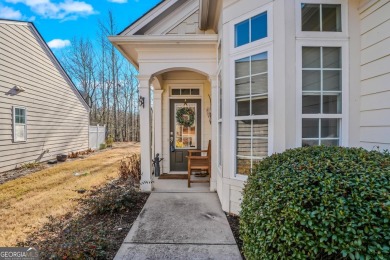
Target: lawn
<point>27,202</point>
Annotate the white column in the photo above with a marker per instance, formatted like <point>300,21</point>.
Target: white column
<point>214,132</point>
<point>145,134</point>
<point>157,110</point>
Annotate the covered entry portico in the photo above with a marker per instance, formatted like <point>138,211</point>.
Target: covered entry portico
<point>174,71</point>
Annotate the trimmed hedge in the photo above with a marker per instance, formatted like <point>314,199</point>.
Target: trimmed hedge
<point>318,203</point>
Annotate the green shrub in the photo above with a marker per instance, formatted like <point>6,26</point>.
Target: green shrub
<point>110,141</point>
<point>102,146</point>
<point>113,199</point>
<point>318,203</point>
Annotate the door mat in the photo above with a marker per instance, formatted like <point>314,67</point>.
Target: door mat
<point>172,176</point>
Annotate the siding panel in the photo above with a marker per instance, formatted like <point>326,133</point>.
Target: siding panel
<point>376,51</point>
<point>375,101</point>
<point>376,68</point>
<point>375,85</point>
<point>379,135</point>
<point>375,76</point>
<point>377,34</point>
<point>379,117</point>
<point>379,16</point>
<point>57,120</point>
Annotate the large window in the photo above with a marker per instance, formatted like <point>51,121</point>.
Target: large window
<point>251,102</point>
<point>321,17</point>
<point>321,95</point>
<point>250,30</point>
<point>251,85</point>
<point>19,124</point>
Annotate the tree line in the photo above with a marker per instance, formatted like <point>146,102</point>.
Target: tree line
<point>107,81</point>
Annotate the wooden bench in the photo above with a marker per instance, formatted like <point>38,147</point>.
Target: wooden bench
<point>199,163</point>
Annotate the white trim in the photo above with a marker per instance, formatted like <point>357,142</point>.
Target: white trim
<point>14,124</point>
<point>165,39</point>
<point>235,53</point>
<point>5,21</point>
<point>267,47</point>
<point>219,121</point>
<point>185,86</point>
<point>199,86</point>
<point>219,59</point>
<point>344,116</point>
<point>321,34</point>
<point>168,111</point>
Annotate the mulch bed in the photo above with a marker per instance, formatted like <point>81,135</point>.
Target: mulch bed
<point>14,174</point>
<point>234,222</point>
<point>96,230</point>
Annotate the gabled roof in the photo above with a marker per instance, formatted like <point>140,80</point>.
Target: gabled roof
<point>51,54</point>
<point>153,16</point>
<point>139,18</point>
<point>209,11</point>
<point>156,28</point>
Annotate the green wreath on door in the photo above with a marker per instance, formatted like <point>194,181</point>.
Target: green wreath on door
<point>185,116</point>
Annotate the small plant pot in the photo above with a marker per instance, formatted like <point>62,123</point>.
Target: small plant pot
<point>62,157</point>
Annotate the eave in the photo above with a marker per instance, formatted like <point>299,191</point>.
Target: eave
<point>209,12</point>
<point>144,41</point>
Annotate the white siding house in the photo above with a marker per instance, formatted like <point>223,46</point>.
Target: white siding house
<point>280,74</point>
<point>41,112</point>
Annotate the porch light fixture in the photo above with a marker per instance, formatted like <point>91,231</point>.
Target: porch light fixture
<point>141,101</point>
<point>19,89</point>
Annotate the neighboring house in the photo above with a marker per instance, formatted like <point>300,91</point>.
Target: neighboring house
<point>281,74</point>
<point>41,112</point>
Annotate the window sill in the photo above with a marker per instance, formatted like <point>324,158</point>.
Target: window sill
<point>240,177</point>
<point>24,141</point>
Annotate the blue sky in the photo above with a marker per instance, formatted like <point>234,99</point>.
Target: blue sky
<point>59,21</point>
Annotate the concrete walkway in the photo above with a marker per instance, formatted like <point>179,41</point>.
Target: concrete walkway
<point>180,225</point>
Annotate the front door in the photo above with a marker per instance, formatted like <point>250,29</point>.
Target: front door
<point>183,136</point>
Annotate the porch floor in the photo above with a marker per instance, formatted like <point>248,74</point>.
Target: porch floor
<point>166,185</point>
<point>180,225</point>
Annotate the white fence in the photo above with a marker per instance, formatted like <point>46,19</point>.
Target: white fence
<point>97,136</point>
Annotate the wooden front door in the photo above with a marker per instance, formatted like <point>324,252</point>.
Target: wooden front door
<point>183,138</point>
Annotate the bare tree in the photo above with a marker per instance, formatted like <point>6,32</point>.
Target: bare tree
<point>80,64</point>
<point>107,81</point>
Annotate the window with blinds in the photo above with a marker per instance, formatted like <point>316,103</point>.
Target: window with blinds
<point>251,116</point>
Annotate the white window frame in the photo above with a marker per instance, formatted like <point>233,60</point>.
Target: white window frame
<point>14,124</point>
<point>321,34</point>
<point>187,86</point>
<point>253,51</point>
<point>344,116</point>
<point>236,53</point>
<point>243,48</point>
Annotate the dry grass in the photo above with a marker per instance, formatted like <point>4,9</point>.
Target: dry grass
<point>25,203</point>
